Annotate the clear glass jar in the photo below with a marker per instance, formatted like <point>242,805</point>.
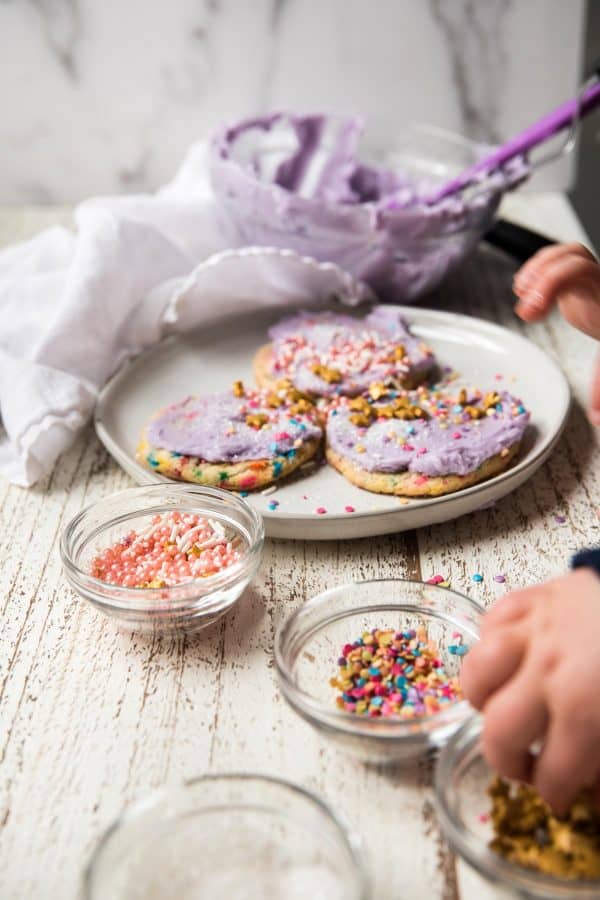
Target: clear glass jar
<point>308,644</point>
<point>188,606</point>
<point>228,837</point>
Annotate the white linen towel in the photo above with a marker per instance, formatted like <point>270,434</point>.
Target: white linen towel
<point>74,305</point>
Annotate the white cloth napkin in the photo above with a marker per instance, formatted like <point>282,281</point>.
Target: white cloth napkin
<point>74,305</point>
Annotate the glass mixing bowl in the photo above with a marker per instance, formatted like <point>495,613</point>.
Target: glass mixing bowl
<point>308,644</point>
<point>228,837</point>
<point>400,252</point>
<point>461,780</point>
<point>188,606</point>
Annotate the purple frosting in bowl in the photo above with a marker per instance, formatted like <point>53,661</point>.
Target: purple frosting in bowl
<point>358,348</point>
<point>296,181</point>
<point>436,446</point>
<point>214,428</point>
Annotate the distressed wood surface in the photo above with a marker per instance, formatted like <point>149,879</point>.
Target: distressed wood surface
<point>92,719</point>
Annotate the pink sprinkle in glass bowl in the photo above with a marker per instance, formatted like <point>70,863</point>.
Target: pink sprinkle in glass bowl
<point>462,778</point>
<point>308,644</point>
<point>188,606</point>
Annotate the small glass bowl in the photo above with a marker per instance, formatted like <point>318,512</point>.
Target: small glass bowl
<point>188,606</point>
<point>461,781</point>
<point>228,837</point>
<point>308,644</point>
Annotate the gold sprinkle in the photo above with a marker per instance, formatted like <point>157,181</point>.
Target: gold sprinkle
<point>399,352</point>
<point>385,412</point>
<point>462,397</point>
<point>155,583</point>
<point>274,400</point>
<point>361,420</point>
<point>474,411</point>
<point>257,420</point>
<point>491,399</point>
<point>377,390</point>
<point>360,449</point>
<point>238,389</point>
<point>360,404</point>
<point>331,376</point>
<point>301,407</point>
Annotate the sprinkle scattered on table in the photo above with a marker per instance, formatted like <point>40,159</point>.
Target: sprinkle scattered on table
<point>500,579</point>
<point>273,504</point>
<point>320,510</point>
<point>560,520</point>
<point>477,577</point>
<point>394,674</point>
<point>349,509</point>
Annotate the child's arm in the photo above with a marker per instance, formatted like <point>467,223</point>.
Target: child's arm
<point>568,275</point>
<point>535,674</point>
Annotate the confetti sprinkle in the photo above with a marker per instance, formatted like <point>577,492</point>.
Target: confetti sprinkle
<point>173,548</point>
<point>243,493</point>
<point>349,509</point>
<point>500,579</point>
<point>320,510</point>
<point>560,520</point>
<point>273,504</point>
<point>436,579</point>
<point>395,674</point>
<point>477,577</point>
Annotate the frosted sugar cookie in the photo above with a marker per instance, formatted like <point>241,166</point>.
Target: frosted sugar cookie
<point>327,355</point>
<point>423,443</point>
<point>239,439</point>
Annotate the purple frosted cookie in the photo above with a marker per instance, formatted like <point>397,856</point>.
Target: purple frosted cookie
<point>423,443</point>
<point>329,355</point>
<point>238,439</point>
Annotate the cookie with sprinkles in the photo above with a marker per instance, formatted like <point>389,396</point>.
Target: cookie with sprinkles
<point>238,439</point>
<point>327,355</point>
<point>423,443</point>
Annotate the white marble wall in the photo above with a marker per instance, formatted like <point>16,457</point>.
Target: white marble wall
<point>104,95</point>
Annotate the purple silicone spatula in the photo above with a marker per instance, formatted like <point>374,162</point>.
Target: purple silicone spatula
<point>522,143</point>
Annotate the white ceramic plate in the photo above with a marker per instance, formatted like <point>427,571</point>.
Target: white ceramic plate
<point>211,359</point>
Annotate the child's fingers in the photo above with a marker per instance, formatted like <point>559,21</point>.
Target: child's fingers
<point>510,608</point>
<point>530,270</point>
<point>560,276</point>
<point>551,270</point>
<point>594,413</point>
<point>513,719</point>
<point>567,762</point>
<point>490,663</point>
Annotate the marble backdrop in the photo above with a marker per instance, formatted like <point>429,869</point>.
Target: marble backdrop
<point>105,95</point>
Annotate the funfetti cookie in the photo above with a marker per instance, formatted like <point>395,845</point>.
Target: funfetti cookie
<point>238,439</point>
<point>423,443</point>
<point>328,355</point>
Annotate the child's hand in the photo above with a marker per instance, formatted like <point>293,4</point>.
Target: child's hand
<point>566,274</point>
<point>535,674</point>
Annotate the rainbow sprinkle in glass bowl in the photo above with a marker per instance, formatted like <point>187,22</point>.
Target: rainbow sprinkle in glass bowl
<point>131,516</point>
<point>462,779</point>
<point>308,644</point>
<point>229,837</point>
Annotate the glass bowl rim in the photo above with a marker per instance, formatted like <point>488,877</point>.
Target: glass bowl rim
<point>350,837</point>
<point>415,129</point>
<point>473,849</point>
<point>141,599</point>
<point>344,722</point>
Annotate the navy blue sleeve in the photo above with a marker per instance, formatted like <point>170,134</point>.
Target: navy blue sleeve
<point>587,558</point>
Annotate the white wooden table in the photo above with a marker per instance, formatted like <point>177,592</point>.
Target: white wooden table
<point>92,719</point>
